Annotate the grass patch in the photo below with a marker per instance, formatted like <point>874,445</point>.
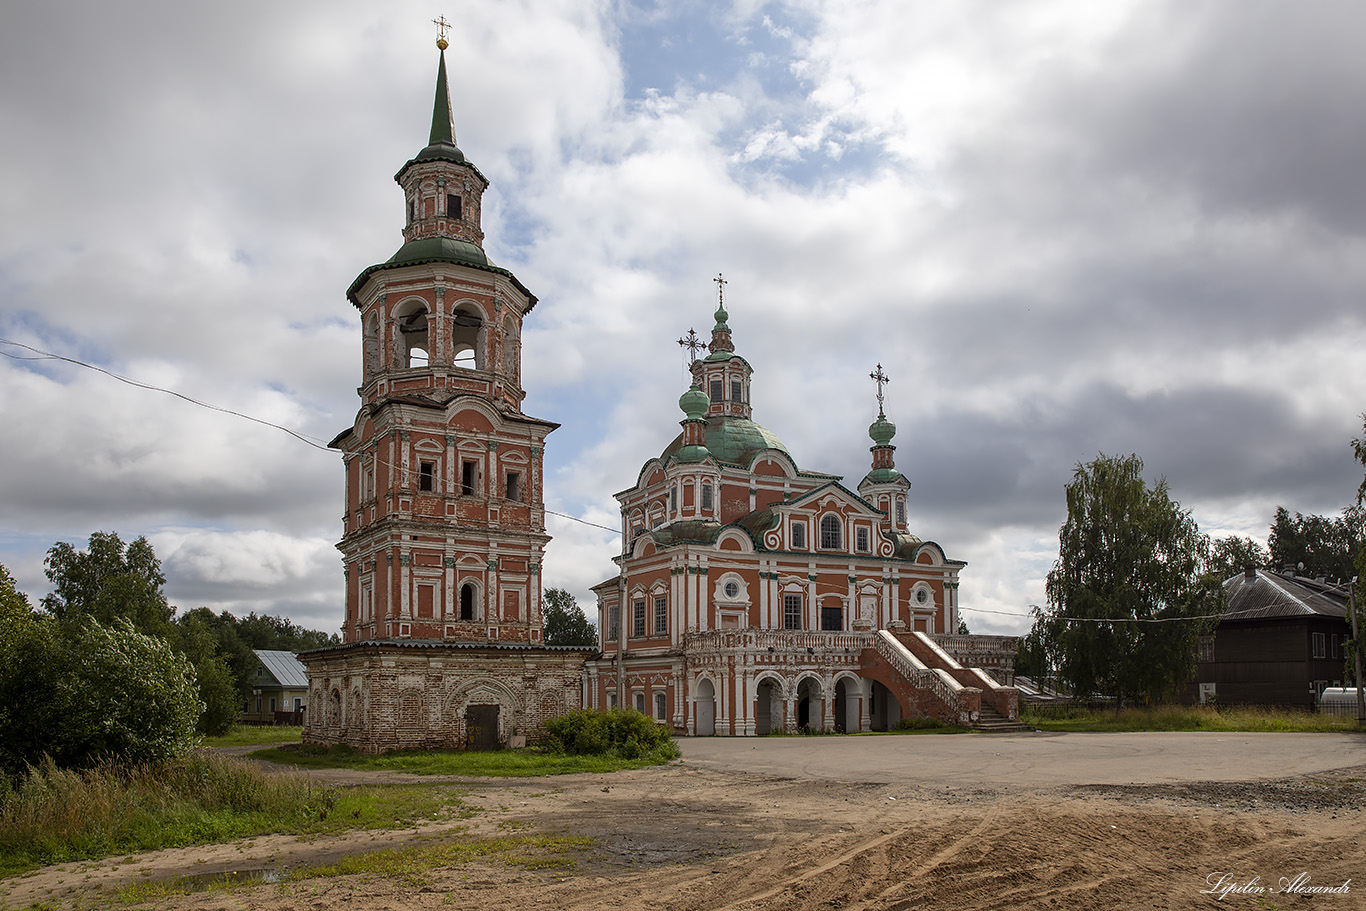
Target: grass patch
<point>522,763</point>
<point>926,726</point>
<point>413,866</point>
<point>247,735</point>
<point>53,815</point>
<point>1227,719</point>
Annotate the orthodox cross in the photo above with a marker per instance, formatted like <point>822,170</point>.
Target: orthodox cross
<point>693,344</point>
<point>720,290</point>
<point>441,26</point>
<point>880,378</point>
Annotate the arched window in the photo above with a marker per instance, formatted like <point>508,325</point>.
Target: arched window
<point>467,601</point>
<point>830,532</point>
<point>410,334</point>
<point>467,337</point>
<point>510,356</point>
<point>371,345</point>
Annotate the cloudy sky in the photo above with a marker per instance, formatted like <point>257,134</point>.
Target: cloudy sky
<point>1063,228</point>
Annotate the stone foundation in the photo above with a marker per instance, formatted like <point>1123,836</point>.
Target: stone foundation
<point>385,695</point>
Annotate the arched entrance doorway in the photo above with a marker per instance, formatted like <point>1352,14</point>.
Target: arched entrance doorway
<point>847,706</point>
<point>768,707</point>
<point>705,706</point>
<point>884,711</point>
<point>810,705</point>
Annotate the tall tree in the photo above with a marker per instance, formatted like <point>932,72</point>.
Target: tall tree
<point>1129,595</point>
<point>1317,545</point>
<point>565,623</point>
<point>13,603</point>
<point>1233,555</point>
<point>107,581</point>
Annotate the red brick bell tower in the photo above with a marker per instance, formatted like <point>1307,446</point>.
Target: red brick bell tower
<point>444,525</point>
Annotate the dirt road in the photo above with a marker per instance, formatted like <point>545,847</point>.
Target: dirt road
<point>973,821</point>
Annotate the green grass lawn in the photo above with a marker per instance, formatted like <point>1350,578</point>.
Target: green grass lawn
<point>1252,719</point>
<point>247,735</point>
<point>55,815</point>
<point>494,764</point>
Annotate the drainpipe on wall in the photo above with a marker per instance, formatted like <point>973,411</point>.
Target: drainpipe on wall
<point>621,641</point>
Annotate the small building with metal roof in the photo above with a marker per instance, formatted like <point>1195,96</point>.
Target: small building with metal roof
<point>279,689</point>
<point>1281,641</point>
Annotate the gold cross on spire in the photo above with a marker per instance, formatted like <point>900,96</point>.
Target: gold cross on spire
<point>441,26</point>
<point>720,290</point>
<point>880,378</point>
<point>693,344</point>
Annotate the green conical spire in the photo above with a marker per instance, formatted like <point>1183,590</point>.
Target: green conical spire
<point>443,124</point>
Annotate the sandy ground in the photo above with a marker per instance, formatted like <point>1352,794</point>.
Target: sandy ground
<point>794,824</point>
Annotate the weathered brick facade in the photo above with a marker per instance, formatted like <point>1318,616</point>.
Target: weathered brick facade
<point>423,694</point>
<point>444,521</point>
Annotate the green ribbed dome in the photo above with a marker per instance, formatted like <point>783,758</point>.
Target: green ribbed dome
<point>882,430</point>
<point>694,403</point>
<point>438,250</point>
<point>732,439</point>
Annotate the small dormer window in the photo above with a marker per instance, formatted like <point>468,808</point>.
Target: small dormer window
<point>452,205</point>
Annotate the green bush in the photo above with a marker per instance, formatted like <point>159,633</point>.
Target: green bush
<point>920,724</point>
<point>82,693</point>
<point>624,733</point>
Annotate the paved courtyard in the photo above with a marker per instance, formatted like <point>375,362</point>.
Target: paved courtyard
<point>1031,759</point>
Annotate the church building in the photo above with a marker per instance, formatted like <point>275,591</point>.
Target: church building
<point>755,595</point>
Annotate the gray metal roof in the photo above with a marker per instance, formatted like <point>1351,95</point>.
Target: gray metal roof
<point>283,666</point>
<point>1266,594</point>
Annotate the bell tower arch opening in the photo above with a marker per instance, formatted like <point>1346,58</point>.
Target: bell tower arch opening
<point>411,346</point>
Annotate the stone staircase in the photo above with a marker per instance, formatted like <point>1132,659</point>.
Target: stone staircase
<point>990,721</point>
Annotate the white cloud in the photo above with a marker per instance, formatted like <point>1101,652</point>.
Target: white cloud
<point>1062,227</point>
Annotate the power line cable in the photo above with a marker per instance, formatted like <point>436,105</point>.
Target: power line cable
<point>41,355</point>
<point>48,355</point>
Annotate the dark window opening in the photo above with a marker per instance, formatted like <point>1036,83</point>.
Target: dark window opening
<point>830,533</point>
<point>469,478</point>
<point>798,534</point>
<point>452,205</point>
<point>467,603</point>
<point>426,476</point>
<point>735,390</point>
<point>832,619</point>
<point>716,388</point>
<point>638,620</point>
<point>661,615</point>
<point>514,485</point>
<point>706,496</point>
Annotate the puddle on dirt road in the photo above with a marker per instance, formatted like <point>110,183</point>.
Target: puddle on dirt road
<point>202,882</point>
